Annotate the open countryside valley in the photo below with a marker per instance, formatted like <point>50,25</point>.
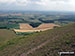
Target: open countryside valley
<point>37,34</point>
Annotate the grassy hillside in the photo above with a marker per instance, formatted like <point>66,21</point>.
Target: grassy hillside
<point>6,35</point>
<point>47,43</point>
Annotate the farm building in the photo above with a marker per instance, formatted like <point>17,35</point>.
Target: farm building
<point>28,28</point>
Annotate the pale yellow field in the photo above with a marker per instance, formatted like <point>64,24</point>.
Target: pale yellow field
<point>28,28</point>
<point>25,27</point>
<point>38,30</point>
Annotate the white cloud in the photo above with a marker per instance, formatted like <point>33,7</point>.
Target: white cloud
<point>42,4</point>
<point>72,2</point>
<point>39,2</point>
<point>49,2</point>
<point>7,1</point>
<point>22,2</point>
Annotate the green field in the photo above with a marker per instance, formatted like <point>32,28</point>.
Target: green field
<point>47,43</point>
<point>10,26</point>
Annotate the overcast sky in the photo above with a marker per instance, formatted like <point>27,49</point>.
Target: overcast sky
<point>41,5</point>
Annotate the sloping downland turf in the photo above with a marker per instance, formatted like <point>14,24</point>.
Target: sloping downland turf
<point>6,35</point>
<point>59,39</point>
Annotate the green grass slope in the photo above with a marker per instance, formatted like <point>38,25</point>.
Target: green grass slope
<point>47,43</point>
<point>6,35</point>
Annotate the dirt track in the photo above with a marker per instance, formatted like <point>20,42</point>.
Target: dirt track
<point>38,47</point>
<point>34,49</point>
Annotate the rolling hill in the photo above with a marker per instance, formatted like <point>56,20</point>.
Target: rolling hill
<point>47,43</point>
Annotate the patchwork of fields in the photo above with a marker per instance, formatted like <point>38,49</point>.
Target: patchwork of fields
<point>37,17</point>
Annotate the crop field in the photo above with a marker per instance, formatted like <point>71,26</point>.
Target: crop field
<point>9,26</point>
<point>16,30</point>
<point>25,26</point>
<point>28,28</point>
<point>47,26</point>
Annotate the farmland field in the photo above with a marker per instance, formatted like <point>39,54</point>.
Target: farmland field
<point>41,27</point>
